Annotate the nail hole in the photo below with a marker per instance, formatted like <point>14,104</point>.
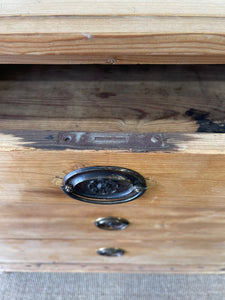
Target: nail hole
<point>68,138</point>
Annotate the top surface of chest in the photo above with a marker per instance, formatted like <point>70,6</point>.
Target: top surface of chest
<point>112,32</point>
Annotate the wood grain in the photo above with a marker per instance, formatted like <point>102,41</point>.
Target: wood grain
<point>112,7</point>
<point>177,225</point>
<point>112,32</point>
<point>113,98</point>
<point>70,222</point>
<point>74,252</point>
<point>115,267</point>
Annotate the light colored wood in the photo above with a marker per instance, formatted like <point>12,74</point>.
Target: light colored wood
<point>177,225</point>
<point>88,28</point>
<point>112,7</point>
<point>75,252</point>
<point>76,221</point>
<point>113,99</point>
<point>112,32</point>
<point>115,267</point>
<point>111,59</point>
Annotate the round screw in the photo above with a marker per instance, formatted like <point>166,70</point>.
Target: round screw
<point>137,189</point>
<point>68,188</point>
<point>155,139</point>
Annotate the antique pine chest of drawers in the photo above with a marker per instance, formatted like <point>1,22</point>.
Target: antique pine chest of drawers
<point>112,136</point>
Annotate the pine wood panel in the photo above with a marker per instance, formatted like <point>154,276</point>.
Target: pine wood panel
<point>75,252</point>
<point>113,98</point>
<point>115,267</point>
<point>76,221</point>
<point>177,225</point>
<point>112,32</point>
<point>113,7</point>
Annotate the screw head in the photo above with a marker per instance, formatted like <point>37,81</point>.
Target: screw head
<point>68,188</point>
<point>137,189</point>
<point>155,139</point>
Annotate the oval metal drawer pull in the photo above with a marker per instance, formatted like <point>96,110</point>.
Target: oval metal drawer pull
<point>110,251</point>
<point>104,185</point>
<point>111,223</point>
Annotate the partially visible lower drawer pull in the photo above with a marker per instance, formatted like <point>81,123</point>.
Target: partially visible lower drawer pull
<point>110,251</point>
<point>111,223</point>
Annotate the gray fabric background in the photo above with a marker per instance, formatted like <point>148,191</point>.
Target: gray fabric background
<point>66,286</point>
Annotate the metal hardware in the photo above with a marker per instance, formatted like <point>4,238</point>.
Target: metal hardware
<point>104,185</point>
<point>110,252</point>
<point>111,223</point>
<point>136,142</point>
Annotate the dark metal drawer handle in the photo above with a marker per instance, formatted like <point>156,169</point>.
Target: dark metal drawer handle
<point>111,223</point>
<point>110,251</point>
<point>104,185</point>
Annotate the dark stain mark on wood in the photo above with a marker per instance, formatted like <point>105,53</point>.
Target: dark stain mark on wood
<point>105,95</point>
<point>38,265</point>
<point>210,126</point>
<point>178,89</point>
<point>127,142</point>
<point>196,114</point>
<point>204,122</point>
<point>49,137</point>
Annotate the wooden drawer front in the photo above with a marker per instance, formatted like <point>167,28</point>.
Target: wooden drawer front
<point>177,225</point>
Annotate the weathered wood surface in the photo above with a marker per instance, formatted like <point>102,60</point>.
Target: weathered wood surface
<point>113,98</point>
<point>195,143</point>
<point>177,226</point>
<point>112,32</point>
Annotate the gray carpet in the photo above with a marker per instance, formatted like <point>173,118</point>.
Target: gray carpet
<point>64,286</point>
